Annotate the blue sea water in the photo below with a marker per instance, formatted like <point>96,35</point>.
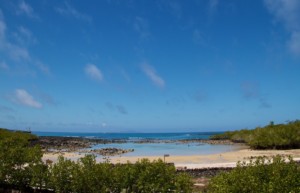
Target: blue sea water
<point>154,149</point>
<point>132,136</point>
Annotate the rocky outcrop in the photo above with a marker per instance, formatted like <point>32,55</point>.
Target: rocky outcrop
<point>68,144</point>
<point>110,151</point>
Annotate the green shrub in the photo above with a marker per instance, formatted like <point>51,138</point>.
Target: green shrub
<point>87,176</point>
<point>21,167</point>
<point>90,177</point>
<point>281,136</point>
<point>260,175</point>
<point>17,158</point>
<point>61,175</point>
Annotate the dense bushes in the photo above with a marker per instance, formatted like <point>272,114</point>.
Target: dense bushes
<point>260,175</point>
<point>17,159</point>
<point>21,167</point>
<point>144,176</point>
<point>281,136</point>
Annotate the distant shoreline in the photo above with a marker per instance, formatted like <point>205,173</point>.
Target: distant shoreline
<point>77,146</point>
<point>72,144</point>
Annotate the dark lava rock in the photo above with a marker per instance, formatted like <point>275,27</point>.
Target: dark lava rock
<point>111,151</point>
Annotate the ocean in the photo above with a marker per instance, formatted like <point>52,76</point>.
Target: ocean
<point>154,149</point>
<point>132,136</point>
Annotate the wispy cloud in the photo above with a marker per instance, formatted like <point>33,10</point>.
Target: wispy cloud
<point>212,7</point>
<point>24,36</point>
<point>176,101</point>
<point>5,109</point>
<point>198,37</point>
<point>15,52</point>
<point>142,27</point>
<point>264,103</point>
<point>42,67</point>
<point>18,53</point>
<point>294,43</point>
<point>251,91</point>
<point>175,8</point>
<point>171,6</point>
<point>288,13</point>
<point>199,96</point>
<point>109,105</point>
<point>152,75</point>
<point>26,9</point>
<point>47,99</point>
<point>69,11</point>
<point>93,72</point>
<point>2,26</point>
<point>125,75</point>
<point>213,4</point>
<point>3,66</point>
<point>22,97</point>
<point>120,108</point>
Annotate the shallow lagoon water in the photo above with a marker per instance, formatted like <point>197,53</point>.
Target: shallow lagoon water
<point>154,149</point>
<point>178,149</point>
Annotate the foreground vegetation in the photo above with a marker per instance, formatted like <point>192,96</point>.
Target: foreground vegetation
<point>21,168</point>
<point>260,175</point>
<point>281,136</point>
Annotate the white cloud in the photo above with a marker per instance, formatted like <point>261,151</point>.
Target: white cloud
<point>70,11</point>
<point>17,52</point>
<point>14,51</point>
<point>93,72</point>
<point>24,36</point>
<point>152,75</point>
<point>22,97</point>
<point>25,8</point>
<point>288,13</point>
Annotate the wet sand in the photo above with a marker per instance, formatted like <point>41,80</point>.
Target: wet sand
<point>227,159</point>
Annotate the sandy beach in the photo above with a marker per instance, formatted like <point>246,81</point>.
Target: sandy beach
<point>227,159</point>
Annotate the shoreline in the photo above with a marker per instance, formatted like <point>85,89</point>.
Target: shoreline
<point>72,148</point>
<point>222,160</point>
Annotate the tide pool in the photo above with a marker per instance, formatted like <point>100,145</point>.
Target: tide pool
<point>176,149</point>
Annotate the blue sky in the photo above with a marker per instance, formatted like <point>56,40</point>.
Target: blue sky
<point>148,66</point>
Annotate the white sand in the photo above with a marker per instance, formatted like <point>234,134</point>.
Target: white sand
<point>227,159</point>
